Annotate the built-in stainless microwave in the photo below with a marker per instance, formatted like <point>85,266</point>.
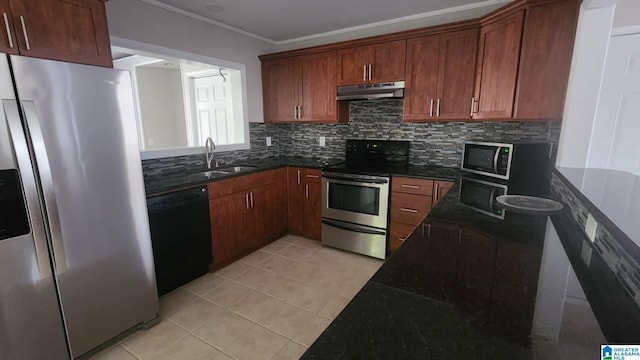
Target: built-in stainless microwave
<point>481,196</point>
<point>506,161</point>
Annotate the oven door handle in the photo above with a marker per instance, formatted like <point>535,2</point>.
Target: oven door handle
<point>365,181</point>
<point>351,228</point>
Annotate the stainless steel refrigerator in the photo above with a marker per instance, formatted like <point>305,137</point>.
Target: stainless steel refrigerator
<point>76,266</point>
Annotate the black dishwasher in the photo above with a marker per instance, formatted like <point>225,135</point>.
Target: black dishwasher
<point>181,236</point>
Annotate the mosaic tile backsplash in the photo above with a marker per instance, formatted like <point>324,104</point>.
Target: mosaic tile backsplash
<point>431,143</point>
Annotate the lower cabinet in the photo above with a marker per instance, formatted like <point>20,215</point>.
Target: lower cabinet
<point>305,209</point>
<point>246,213</point>
<point>411,201</point>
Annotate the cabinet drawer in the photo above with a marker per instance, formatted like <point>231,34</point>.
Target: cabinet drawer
<point>241,183</point>
<point>412,186</point>
<point>398,233</point>
<point>312,175</point>
<point>409,209</point>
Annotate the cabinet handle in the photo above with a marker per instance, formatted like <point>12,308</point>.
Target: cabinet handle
<point>246,199</point>
<point>409,210</point>
<point>473,102</point>
<point>437,191</point>
<point>370,67</point>
<point>306,191</point>
<point>411,186</point>
<point>431,108</point>
<point>313,176</point>
<point>438,108</point>
<point>24,31</point>
<point>299,111</point>
<point>364,72</point>
<point>6,25</point>
<point>298,177</point>
<point>251,197</point>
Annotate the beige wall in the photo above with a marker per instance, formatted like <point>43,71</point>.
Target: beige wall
<point>135,20</point>
<point>627,13</point>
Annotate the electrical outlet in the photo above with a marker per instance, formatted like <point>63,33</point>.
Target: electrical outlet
<point>590,228</point>
<point>150,141</point>
<point>322,141</point>
<point>268,140</point>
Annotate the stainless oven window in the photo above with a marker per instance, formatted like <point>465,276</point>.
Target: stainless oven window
<point>354,198</point>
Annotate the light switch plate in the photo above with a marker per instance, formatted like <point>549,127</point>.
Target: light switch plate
<point>322,141</point>
<point>268,140</point>
<point>591,227</point>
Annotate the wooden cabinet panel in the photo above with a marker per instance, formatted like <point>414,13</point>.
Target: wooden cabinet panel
<point>228,230</point>
<point>387,61</point>
<point>312,210</point>
<point>67,30</point>
<point>296,200</point>
<point>440,189</point>
<point>281,210</point>
<point>412,185</point>
<point>421,79</point>
<point>398,232</point>
<point>319,87</point>
<point>497,67</point>
<point>352,65</point>
<point>371,63</point>
<point>262,215</point>
<point>283,89</point>
<point>547,46</point>
<point>408,208</point>
<point>456,73</point>
<point>241,183</point>
<point>8,42</point>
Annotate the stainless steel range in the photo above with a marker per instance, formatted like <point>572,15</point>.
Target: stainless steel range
<point>355,196</point>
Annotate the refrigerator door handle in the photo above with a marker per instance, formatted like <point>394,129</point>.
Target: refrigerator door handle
<point>27,176</point>
<point>46,180</point>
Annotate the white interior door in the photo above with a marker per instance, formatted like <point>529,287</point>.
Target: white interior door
<point>214,109</point>
<point>614,142</point>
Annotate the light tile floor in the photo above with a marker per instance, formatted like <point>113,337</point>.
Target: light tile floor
<point>271,304</point>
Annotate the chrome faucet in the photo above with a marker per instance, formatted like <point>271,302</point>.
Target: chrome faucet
<point>210,146</point>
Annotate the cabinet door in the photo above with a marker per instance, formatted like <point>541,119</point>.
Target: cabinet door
<point>312,210</point>
<point>262,216</point>
<point>283,89</point>
<point>296,200</point>
<point>352,65</point>
<point>281,202</point>
<point>497,68</point>
<point>8,44</point>
<point>456,73</point>
<point>547,46</point>
<point>440,189</point>
<point>319,87</point>
<point>67,30</point>
<point>387,61</point>
<point>228,230</point>
<point>421,84</point>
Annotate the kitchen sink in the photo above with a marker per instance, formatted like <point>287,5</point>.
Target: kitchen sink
<point>237,169</point>
<point>228,170</point>
<point>214,173</point>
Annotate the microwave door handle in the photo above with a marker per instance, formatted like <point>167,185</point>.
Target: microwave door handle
<point>354,229</point>
<point>495,160</point>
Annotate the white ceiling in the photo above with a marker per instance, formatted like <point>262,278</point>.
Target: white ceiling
<point>280,21</point>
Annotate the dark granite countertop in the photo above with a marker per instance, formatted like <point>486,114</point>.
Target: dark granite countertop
<point>166,182</point>
<point>464,286</point>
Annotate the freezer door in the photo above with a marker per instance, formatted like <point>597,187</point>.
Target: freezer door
<point>31,324</point>
<point>82,128</point>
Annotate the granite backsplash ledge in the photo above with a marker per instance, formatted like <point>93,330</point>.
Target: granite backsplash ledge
<point>432,144</point>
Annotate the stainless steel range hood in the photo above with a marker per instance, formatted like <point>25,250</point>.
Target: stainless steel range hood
<point>371,91</point>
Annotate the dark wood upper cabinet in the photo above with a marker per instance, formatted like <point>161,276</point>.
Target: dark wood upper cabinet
<point>439,76</point>
<point>319,87</point>
<point>302,88</point>
<point>497,67</point>
<point>67,30</point>
<point>545,60</point>
<point>282,89</point>
<point>371,63</point>
<point>8,42</point>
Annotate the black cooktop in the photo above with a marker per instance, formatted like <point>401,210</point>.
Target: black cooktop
<point>373,157</point>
